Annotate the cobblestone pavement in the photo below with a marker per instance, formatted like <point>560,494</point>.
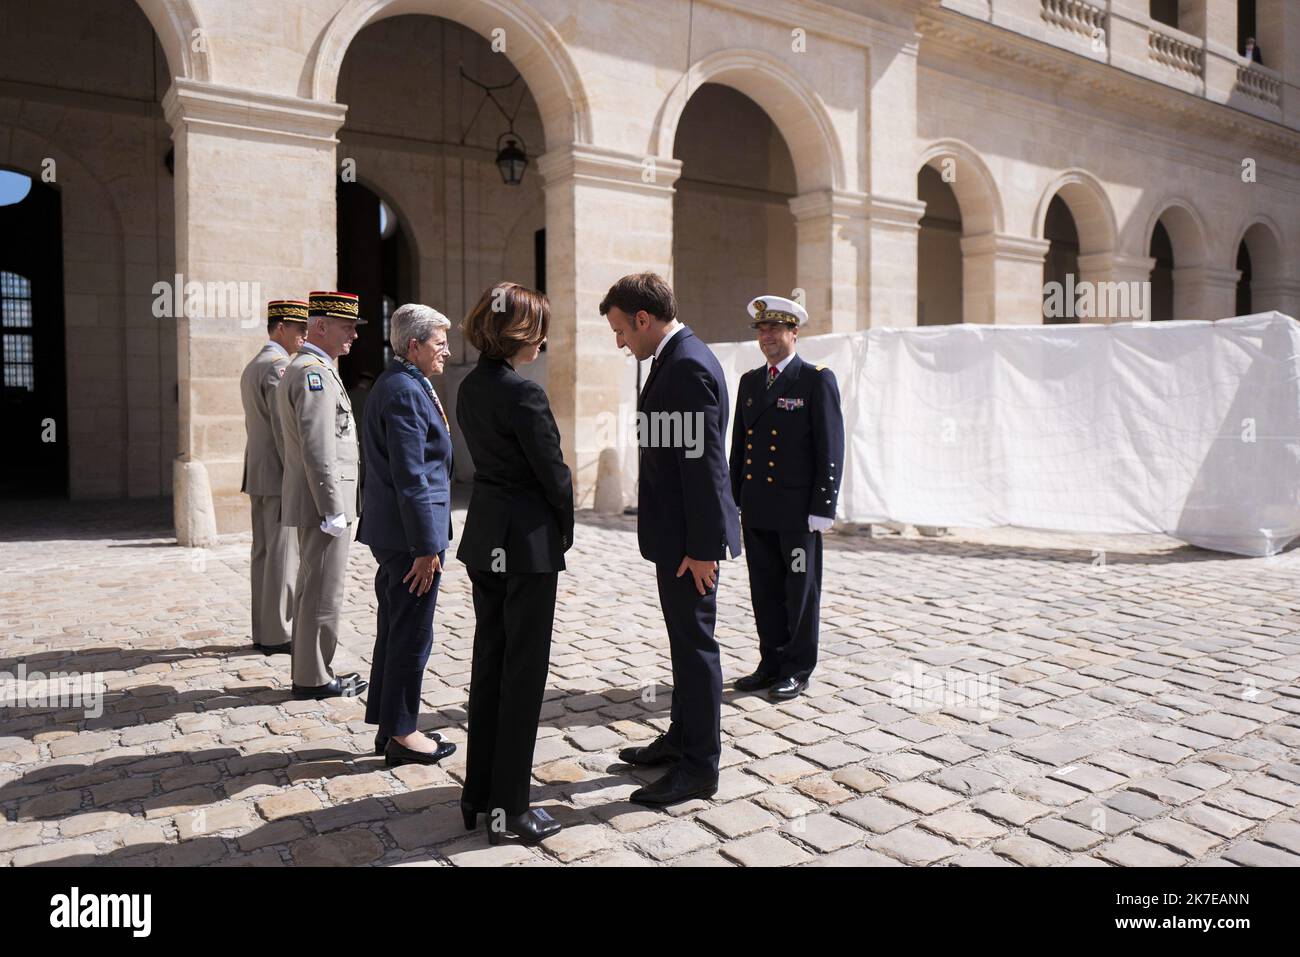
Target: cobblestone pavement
<point>986,698</point>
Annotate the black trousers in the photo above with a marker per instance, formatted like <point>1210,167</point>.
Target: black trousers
<point>403,640</point>
<point>696,725</point>
<point>785,586</point>
<point>512,652</point>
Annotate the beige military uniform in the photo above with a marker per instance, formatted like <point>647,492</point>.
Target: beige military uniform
<point>275,549</point>
<point>320,479</point>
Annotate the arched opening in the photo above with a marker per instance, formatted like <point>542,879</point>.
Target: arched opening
<point>33,410</point>
<point>428,216</point>
<point>1177,244</point>
<point>939,292</point>
<point>1061,264</point>
<point>81,116</point>
<point>1259,260</point>
<point>427,151</point>
<point>733,231</point>
<point>1162,274</point>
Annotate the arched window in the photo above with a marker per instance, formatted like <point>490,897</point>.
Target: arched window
<point>16,323</point>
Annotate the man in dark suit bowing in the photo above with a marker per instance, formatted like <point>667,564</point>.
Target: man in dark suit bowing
<point>686,523</point>
<point>787,456</point>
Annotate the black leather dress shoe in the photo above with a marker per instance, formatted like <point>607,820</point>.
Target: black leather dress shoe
<point>381,740</point>
<point>755,682</point>
<point>673,788</point>
<point>395,754</point>
<point>531,827</point>
<point>338,688</point>
<point>788,688</point>
<point>657,751</point>
<point>268,650</point>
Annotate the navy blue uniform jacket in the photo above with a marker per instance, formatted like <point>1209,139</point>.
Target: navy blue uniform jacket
<point>684,503</point>
<point>787,446</point>
<point>408,454</point>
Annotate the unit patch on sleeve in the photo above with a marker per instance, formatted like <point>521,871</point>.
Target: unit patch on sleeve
<point>314,382</point>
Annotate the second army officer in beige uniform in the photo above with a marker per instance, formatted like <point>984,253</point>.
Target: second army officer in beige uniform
<point>320,489</point>
<point>275,548</point>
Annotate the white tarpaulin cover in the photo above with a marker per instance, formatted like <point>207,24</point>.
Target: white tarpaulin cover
<point>1191,429</point>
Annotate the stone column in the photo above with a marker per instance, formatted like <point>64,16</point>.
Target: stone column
<point>1002,278</point>
<point>1129,299</point>
<point>831,239</point>
<point>608,213</point>
<point>255,220</point>
<point>1205,293</point>
<point>1280,294</point>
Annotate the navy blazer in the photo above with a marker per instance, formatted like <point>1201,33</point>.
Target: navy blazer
<point>787,446</point>
<point>408,454</point>
<point>684,503</point>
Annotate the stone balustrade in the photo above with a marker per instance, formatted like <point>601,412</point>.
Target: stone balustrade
<point>1076,16</point>
<point>1183,54</point>
<point>1260,83</point>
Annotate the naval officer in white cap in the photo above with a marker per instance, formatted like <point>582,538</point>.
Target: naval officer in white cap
<point>787,458</point>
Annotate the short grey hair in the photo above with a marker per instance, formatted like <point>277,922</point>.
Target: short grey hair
<point>413,321</point>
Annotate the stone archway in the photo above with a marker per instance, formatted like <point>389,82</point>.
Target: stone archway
<point>1177,231</point>
<point>1258,256</point>
<point>794,107</point>
<point>958,167</point>
<point>532,44</point>
<point>177,26</point>
<point>831,219</point>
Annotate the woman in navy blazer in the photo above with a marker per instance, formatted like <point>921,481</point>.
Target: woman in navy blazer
<point>519,525</point>
<point>406,521</point>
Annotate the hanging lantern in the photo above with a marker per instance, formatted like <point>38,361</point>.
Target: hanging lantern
<point>511,158</point>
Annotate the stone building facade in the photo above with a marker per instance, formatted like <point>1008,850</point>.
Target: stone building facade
<point>897,161</point>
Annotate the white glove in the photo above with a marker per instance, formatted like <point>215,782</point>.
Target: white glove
<point>334,525</point>
<point>819,523</point>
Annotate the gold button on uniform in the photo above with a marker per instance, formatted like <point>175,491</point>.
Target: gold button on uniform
<point>771,448</point>
<point>748,477</point>
<point>748,446</point>
<point>774,431</point>
<point>749,431</point>
<point>770,464</point>
<point>751,462</point>
<point>769,478</point>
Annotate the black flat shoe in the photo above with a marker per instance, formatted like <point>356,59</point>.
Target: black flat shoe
<point>787,688</point>
<point>396,754</point>
<point>531,827</point>
<point>673,788</point>
<point>658,751</point>
<point>755,682</point>
<point>381,740</point>
<point>268,650</point>
<point>338,688</point>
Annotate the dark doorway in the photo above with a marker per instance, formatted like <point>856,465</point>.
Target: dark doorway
<point>1061,264</point>
<point>1243,284</point>
<point>1162,274</point>
<point>1246,26</point>
<point>1165,11</point>
<point>374,258</point>
<point>34,404</point>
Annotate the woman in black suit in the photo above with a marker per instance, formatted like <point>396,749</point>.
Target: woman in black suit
<point>519,525</point>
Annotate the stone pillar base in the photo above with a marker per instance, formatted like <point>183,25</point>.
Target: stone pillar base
<point>195,518</point>
<point>609,484</point>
